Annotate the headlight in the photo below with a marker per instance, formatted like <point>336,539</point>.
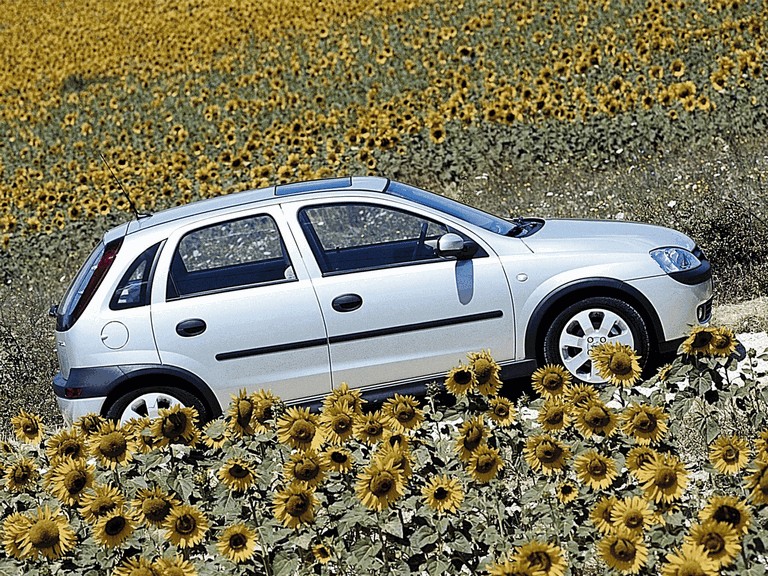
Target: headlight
<point>675,259</point>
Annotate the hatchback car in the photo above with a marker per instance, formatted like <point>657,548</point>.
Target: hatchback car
<point>363,280</point>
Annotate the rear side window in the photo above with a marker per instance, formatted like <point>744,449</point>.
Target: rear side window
<point>133,289</point>
<point>234,254</point>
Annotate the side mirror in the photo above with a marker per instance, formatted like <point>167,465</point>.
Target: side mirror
<point>454,246</point>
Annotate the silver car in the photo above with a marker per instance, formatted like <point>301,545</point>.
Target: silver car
<point>363,280</point>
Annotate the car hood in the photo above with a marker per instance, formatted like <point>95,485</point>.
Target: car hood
<point>560,235</point>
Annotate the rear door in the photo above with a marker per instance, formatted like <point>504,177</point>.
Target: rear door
<point>236,307</point>
<point>395,311</point>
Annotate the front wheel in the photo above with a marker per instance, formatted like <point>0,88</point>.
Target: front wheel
<point>147,403</point>
<point>589,323</point>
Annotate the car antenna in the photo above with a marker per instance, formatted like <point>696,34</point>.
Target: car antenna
<point>139,215</point>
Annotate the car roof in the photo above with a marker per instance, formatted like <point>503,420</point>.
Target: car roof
<point>359,183</point>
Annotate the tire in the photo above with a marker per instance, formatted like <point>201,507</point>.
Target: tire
<point>603,319</point>
<point>146,402</point>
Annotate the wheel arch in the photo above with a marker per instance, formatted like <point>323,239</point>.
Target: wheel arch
<point>557,300</point>
<point>138,377</point>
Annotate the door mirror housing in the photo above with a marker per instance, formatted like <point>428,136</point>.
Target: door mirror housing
<point>454,246</point>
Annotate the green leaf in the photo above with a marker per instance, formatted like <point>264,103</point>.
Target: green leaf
<point>285,565</point>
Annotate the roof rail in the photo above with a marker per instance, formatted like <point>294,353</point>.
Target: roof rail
<point>312,185</point>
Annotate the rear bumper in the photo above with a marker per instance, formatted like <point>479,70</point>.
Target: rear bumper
<point>73,408</point>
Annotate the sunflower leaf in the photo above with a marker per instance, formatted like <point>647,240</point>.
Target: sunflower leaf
<point>285,564</point>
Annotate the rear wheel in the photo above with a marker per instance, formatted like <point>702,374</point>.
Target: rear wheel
<point>588,323</point>
<point>147,403</point>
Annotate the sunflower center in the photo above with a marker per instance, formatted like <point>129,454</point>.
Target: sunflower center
<point>29,427</point>
<point>665,478</point>
<point>373,428</point>
<point>113,445</point>
<point>75,481</point>
<point>540,560</point>
<point>597,417</point>
<point>763,484</point>
<point>306,470</point>
<point>115,526</point>
<point>339,457</point>
<point>174,425</point>
<point>485,463</point>
<point>382,484</point>
<point>473,438</point>
<point>404,413</point>
<point>548,452</point>
<point>727,514</point>
<point>713,543</point>
<point>633,519</point>
<point>185,524</point>
<point>702,339</point>
<point>462,377</point>
<point>620,364</point>
<point>483,370</point>
<point>644,422</point>
<point>566,490</point>
<point>155,509</point>
<point>297,505</point>
<point>623,550</point>
<point>44,534</point>
<point>21,474</point>
<point>440,493</point>
<point>323,553</point>
<point>70,449</point>
<point>501,410</point>
<point>302,430</point>
<point>554,416</point>
<point>244,411</point>
<point>597,467</point>
<point>552,382</point>
<point>238,541</point>
<point>730,455</point>
<point>239,472</point>
<point>102,505</point>
<point>342,423</point>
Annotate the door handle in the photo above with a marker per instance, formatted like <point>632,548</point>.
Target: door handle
<point>347,302</point>
<point>191,327</point>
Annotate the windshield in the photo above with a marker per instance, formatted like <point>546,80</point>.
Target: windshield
<point>453,208</point>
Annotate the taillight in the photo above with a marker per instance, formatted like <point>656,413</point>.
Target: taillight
<point>102,267</point>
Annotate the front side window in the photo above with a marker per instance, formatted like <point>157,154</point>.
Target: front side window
<point>355,236</point>
<point>233,254</point>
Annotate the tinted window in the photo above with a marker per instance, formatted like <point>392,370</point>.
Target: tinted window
<point>244,252</point>
<point>346,237</point>
<point>133,289</point>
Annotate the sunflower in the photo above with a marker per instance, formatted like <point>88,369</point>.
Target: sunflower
<point>237,474</point>
<point>370,428</point>
<point>89,424</point>
<point>214,434</point>
<point>638,457</point>
<point>380,484</point>
<point>136,566</point>
<point>443,494</point>
<point>602,514</point>
<point>338,423</point>
<point>546,454</point>
<point>728,509</point>
<point>486,371</point>
<point>153,505</point>
<point>719,540</point>
<point>237,543</point>
<point>240,413</point>
<point>297,428</point>
<point>472,434</point>
<point>176,425</point>
<point>595,470</point>
<point>632,514</point>
<point>403,412</point>
<point>698,342</point>
<point>65,444</point>
<point>664,479</point>
<point>689,560</point>
<point>264,403</point>
<point>295,506</point>
<point>554,414</point>
<point>580,395</point>
<point>542,556</point>
<point>141,429</point>
<point>551,380</point>
<point>623,551</point>
<point>567,492</point>
<point>617,363</point>
<point>723,342</point>
<point>352,398</point>
<point>114,528</point>
<point>484,464</point>
<point>21,475</point>
<point>646,424</point>
<point>15,527</point>
<point>501,411</point>
<point>400,454</point>
<point>761,445</point>
<point>69,479</point>
<point>305,468</point>
<point>511,567</point>
<point>49,534</point>
<point>757,482</point>
<point>595,418</point>
<point>112,445</point>
<point>337,459</point>
<point>99,501</point>
<point>174,566</point>
<point>185,526</point>
<point>27,427</point>
<point>322,553</point>
<point>729,454</point>
<point>461,380</point>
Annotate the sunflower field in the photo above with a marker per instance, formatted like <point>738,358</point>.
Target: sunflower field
<point>665,476</point>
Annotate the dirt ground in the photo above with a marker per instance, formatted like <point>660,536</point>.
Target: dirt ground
<point>750,316</point>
